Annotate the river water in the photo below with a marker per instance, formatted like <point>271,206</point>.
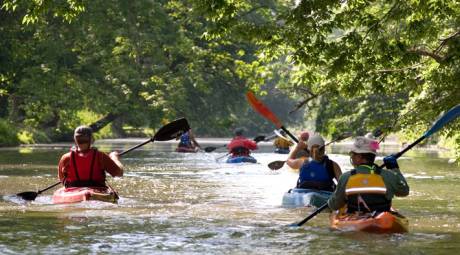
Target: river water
<point>194,204</point>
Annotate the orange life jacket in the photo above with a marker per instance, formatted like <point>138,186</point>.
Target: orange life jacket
<point>365,192</point>
<point>85,170</point>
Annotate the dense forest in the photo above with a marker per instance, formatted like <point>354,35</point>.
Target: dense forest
<point>132,66</point>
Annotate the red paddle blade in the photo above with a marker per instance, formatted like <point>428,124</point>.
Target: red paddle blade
<point>259,107</point>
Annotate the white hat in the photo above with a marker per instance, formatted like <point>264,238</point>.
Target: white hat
<point>365,145</point>
<point>315,139</point>
<point>370,135</point>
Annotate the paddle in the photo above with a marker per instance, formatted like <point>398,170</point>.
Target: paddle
<point>259,107</point>
<point>165,133</point>
<point>211,148</point>
<point>438,124</point>
<point>276,165</point>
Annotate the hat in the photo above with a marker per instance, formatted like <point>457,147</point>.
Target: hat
<point>304,135</point>
<point>83,131</point>
<point>315,139</point>
<point>370,136</point>
<point>365,145</point>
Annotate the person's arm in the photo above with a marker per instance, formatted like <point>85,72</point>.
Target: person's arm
<point>337,170</point>
<point>292,161</point>
<point>112,164</point>
<point>192,137</point>
<point>62,166</point>
<point>397,180</point>
<point>338,198</point>
<point>250,144</point>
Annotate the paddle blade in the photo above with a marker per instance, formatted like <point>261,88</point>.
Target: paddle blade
<point>28,195</point>
<point>275,165</point>
<point>262,109</point>
<point>259,138</point>
<point>443,120</point>
<point>210,149</point>
<point>172,130</point>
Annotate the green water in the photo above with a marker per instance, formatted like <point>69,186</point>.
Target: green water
<point>190,204</point>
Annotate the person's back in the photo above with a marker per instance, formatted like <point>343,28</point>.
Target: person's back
<point>240,145</point>
<point>282,144</point>
<point>368,188</point>
<point>85,166</point>
<point>319,172</point>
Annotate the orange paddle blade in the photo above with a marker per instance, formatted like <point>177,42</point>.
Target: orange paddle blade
<point>262,109</point>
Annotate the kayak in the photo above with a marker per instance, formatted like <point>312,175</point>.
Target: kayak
<point>305,198</point>
<point>241,159</point>
<point>186,149</point>
<point>282,150</point>
<point>79,194</point>
<point>384,222</point>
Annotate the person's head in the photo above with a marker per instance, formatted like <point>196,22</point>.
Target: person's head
<point>304,135</point>
<point>315,145</point>
<point>363,151</point>
<point>83,137</point>
<point>239,131</point>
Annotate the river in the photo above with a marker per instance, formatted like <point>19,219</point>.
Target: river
<point>192,204</point>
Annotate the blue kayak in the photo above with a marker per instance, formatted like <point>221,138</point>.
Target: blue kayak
<point>282,150</point>
<point>305,197</point>
<point>241,159</point>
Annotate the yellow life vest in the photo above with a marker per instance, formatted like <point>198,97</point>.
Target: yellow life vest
<point>371,183</point>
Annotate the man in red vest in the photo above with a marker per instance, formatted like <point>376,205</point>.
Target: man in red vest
<point>84,165</point>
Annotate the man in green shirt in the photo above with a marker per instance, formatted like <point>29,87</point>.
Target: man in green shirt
<point>368,188</point>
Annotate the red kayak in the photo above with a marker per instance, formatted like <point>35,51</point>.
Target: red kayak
<point>79,194</point>
<point>384,222</point>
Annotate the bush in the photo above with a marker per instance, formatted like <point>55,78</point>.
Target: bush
<point>8,135</point>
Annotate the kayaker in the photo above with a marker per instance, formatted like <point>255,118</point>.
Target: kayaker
<point>84,165</point>
<point>368,188</point>
<point>241,146</point>
<point>318,172</point>
<point>282,144</point>
<point>188,141</point>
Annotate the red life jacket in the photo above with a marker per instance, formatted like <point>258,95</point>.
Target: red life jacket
<point>241,146</point>
<point>85,170</point>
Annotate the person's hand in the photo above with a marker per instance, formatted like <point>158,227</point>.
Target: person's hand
<point>114,155</point>
<point>390,162</point>
<point>301,145</point>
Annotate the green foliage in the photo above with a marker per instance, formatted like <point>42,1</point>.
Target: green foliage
<point>7,133</point>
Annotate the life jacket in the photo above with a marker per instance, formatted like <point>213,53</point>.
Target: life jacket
<point>241,146</point>
<point>317,175</point>
<point>84,171</point>
<point>281,143</point>
<point>185,140</point>
<point>365,192</point>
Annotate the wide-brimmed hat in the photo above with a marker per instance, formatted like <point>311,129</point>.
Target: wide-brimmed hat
<point>315,139</point>
<point>83,131</point>
<point>365,145</point>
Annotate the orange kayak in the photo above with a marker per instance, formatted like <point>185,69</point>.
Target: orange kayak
<point>79,194</point>
<point>384,222</point>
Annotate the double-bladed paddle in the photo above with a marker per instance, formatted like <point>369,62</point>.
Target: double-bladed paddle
<point>165,133</point>
<point>259,107</point>
<point>449,116</point>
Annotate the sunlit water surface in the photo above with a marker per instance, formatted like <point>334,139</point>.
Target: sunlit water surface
<point>192,203</point>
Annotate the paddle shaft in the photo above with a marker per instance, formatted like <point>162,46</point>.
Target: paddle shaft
<point>135,147</point>
<point>311,215</point>
<point>290,134</point>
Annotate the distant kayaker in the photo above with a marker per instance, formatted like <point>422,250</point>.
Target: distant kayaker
<point>318,172</point>
<point>84,165</point>
<point>241,146</point>
<point>188,142</point>
<point>368,188</point>
<point>282,144</point>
